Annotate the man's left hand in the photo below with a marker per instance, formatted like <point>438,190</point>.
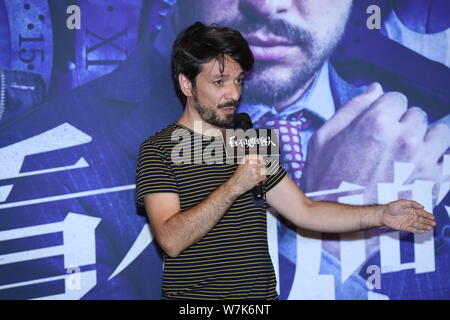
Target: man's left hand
<point>407,215</point>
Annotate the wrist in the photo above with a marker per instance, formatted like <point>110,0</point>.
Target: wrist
<point>232,188</point>
<point>379,216</point>
<point>373,217</point>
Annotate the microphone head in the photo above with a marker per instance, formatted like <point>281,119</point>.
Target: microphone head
<point>242,121</point>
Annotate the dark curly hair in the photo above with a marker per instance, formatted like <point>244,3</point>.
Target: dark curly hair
<point>200,43</point>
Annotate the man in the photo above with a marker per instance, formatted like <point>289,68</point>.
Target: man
<point>213,235</point>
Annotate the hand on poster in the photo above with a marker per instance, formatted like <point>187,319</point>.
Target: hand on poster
<point>366,136</point>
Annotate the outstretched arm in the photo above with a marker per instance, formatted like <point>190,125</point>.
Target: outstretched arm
<point>288,200</point>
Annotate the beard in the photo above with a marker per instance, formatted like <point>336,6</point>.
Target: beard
<point>271,82</point>
<point>211,116</point>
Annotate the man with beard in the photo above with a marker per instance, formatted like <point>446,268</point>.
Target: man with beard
<point>202,214</point>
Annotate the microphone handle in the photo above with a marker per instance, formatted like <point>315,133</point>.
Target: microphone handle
<point>259,197</point>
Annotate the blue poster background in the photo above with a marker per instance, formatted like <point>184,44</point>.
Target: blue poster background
<point>75,105</point>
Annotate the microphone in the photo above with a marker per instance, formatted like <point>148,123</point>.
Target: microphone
<point>244,122</point>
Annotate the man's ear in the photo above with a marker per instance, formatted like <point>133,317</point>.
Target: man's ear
<point>185,85</point>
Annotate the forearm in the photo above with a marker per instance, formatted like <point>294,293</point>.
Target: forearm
<point>335,217</point>
<point>189,226</point>
<point>290,201</point>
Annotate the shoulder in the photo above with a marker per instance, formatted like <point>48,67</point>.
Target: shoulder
<point>161,140</point>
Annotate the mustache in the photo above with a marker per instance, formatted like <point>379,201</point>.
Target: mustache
<point>228,104</point>
<point>278,27</point>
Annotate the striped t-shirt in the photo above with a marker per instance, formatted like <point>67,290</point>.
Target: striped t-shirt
<point>232,260</point>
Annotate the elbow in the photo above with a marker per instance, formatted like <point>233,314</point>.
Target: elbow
<point>310,206</point>
<point>172,253</point>
<point>305,220</point>
<point>168,244</point>
<point>170,248</point>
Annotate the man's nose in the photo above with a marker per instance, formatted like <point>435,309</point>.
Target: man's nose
<point>234,92</point>
<point>266,8</point>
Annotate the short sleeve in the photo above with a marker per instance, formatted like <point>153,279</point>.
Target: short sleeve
<point>154,172</point>
<point>275,174</point>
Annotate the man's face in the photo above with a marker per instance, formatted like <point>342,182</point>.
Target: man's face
<point>289,39</point>
<point>216,92</point>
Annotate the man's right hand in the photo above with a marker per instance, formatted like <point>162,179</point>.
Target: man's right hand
<point>249,172</point>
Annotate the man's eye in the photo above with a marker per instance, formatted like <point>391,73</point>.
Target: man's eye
<point>239,80</point>
<point>218,82</point>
